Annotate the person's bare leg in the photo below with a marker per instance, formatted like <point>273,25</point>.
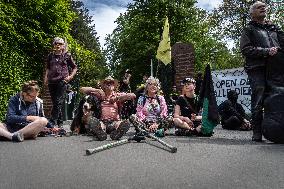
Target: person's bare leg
<point>31,130</point>
<point>4,132</point>
<point>181,124</point>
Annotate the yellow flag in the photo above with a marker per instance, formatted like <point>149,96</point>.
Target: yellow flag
<point>164,49</point>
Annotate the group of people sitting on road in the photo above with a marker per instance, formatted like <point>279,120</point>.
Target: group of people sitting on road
<point>25,118</point>
<point>151,110</point>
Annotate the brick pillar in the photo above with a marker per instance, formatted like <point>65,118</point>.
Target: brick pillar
<point>45,96</point>
<point>183,62</point>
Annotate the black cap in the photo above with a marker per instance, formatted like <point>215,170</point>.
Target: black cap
<point>188,80</point>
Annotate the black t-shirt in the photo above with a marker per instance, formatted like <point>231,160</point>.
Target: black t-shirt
<point>187,106</point>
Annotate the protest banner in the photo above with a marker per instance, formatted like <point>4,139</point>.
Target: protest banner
<point>232,79</point>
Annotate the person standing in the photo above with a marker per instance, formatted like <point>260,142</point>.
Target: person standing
<point>259,43</point>
<point>60,69</point>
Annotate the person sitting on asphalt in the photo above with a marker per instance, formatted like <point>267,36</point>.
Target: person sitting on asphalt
<point>187,108</point>
<point>152,108</point>
<point>233,114</point>
<point>109,121</point>
<point>25,117</point>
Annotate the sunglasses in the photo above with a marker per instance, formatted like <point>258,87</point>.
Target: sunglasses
<point>59,44</point>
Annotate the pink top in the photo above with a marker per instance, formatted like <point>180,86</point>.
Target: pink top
<point>110,107</point>
<point>152,109</point>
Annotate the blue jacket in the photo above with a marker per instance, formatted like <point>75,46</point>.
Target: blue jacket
<point>18,110</point>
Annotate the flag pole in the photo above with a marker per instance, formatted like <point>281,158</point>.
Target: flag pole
<point>157,68</point>
<point>151,67</point>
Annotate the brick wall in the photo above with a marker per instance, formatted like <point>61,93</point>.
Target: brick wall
<point>45,96</point>
<point>183,62</point>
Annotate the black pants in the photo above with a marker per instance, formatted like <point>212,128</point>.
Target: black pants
<point>257,79</point>
<point>57,93</point>
<point>232,123</point>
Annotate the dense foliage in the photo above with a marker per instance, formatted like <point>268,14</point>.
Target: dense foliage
<point>135,40</point>
<point>27,28</point>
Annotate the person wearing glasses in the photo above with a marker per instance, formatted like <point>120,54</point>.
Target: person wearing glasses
<point>110,121</point>
<point>60,69</point>
<point>25,117</point>
<point>152,109</point>
<point>187,118</point>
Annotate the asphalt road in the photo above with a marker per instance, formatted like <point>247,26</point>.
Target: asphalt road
<point>227,160</point>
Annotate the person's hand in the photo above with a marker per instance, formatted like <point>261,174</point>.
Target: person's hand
<point>32,118</point>
<point>188,121</point>
<point>153,128</point>
<point>67,79</point>
<point>246,125</point>
<point>273,51</point>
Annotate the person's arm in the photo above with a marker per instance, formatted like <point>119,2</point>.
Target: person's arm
<point>121,97</point>
<point>72,64</point>
<point>247,47</point>
<point>99,93</point>
<point>164,107</point>
<point>233,111</point>
<point>12,116</point>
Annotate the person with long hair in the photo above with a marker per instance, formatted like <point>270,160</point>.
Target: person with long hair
<point>152,108</point>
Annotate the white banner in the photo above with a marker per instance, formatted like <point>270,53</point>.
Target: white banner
<point>232,79</point>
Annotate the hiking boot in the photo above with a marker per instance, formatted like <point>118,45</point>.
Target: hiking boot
<point>96,128</point>
<point>18,137</point>
<point>120,131</point>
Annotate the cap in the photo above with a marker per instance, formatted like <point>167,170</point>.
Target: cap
<point>188,80</point>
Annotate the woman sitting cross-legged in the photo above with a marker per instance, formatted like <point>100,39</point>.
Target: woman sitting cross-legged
<point>152,108</point>
<point>187,108</point>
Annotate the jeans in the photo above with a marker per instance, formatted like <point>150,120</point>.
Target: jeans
<point>57,93</point>
<point>257,79</point>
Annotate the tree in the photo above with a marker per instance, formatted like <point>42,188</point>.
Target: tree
<point>231,16</point>
<point>89,55</point>
<point>135,40</point>
<point>27,28</point>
